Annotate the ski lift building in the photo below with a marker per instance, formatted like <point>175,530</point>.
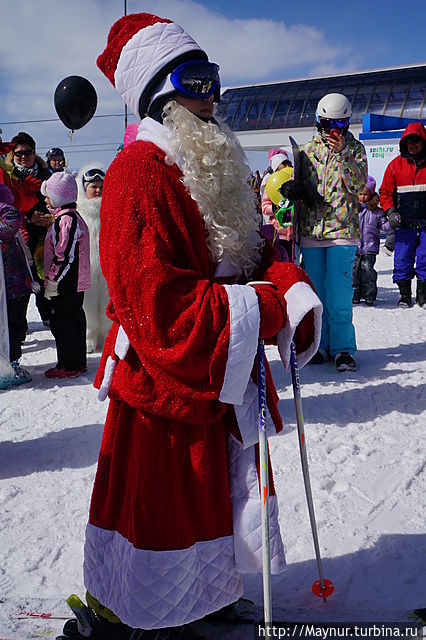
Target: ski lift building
<point>264,115</point>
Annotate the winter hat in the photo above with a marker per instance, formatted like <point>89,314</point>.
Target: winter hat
<point>371,184</point>
<point>6,195</point>
<point>276,156</point>
<point>61,188</point>
<point>142,50</point>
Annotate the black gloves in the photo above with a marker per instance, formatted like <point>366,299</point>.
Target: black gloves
<point>293,191</point>
<point>394,219</point>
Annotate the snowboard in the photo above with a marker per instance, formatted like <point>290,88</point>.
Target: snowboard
<point>298,177</point>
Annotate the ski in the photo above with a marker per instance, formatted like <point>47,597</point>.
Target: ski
<point>40,615</point>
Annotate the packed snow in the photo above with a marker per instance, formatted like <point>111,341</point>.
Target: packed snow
<point>365,436</point>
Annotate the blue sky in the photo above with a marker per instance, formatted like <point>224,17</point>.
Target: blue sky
<point>43,42</point>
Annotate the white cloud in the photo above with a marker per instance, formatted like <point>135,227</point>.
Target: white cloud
<point>42,42</point>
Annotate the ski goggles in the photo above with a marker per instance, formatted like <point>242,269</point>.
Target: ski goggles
<point>93,174</point>
<point>197,79</point>
<point>327,124</point>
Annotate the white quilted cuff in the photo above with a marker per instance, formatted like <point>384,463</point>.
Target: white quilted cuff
<point>300,299</point>
<point>244,334</point>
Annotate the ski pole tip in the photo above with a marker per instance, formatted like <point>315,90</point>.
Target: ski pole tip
<point>323,590</point>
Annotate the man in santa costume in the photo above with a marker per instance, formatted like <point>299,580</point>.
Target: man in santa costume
<point>175,512</point>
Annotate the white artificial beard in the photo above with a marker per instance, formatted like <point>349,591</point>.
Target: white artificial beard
<point>215,173</point>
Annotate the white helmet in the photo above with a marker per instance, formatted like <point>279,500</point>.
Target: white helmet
<point>334,105</point>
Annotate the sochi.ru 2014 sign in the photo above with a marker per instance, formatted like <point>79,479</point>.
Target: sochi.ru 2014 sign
<point>379,156</point>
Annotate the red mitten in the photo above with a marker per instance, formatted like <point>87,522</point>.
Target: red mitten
<point>272,308</point>
<point>32,184</point>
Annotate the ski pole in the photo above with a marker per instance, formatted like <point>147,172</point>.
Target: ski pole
<point>264,485</point>
<point>322,587</point>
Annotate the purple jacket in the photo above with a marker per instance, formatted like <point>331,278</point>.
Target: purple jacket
<point>16,270</point>
<point>371,221</point>
<point>67,252</point>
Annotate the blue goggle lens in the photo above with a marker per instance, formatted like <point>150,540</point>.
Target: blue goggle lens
<point>196,79</point>
<point>332,123</point>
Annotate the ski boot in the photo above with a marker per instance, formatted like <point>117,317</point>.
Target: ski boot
<point>344,362</point>
<point>21,375</point>
<point>320,357</point>
<point>405,291</point>
<point>421,293</point>
<point>88,624</point>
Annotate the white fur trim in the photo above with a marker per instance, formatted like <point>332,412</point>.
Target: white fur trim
<point>247,416</point>
<point>122,344</point>
<point>145,54</point>
<point>107,379</point>
<point>244,333</point>
<point>155,589</point>
<point>300,299</point>
<point>246,513</point>
<point>152,131</point>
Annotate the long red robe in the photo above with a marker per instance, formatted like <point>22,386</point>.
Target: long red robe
<point>175,512</point>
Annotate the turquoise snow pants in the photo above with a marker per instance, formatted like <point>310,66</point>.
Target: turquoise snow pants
<point>330,269</point>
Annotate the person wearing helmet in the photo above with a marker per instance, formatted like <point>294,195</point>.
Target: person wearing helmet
<point>55,160</point>
<point>334,172</point>
<point>178,244</point>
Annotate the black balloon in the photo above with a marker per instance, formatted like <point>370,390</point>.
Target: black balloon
<point>75,101</point>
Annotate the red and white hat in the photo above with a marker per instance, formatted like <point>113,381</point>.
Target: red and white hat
<point>142,50</point>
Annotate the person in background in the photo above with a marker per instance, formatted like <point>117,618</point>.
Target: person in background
<point>334,172</point>
<point>27,171</point>
<point>278,159</point>
<point>372,220</point>
<point>90,181</point>
<point>403,199</point>
<point>18,281</point>
<point>67,262</point>
<point>55,159</point>
<point>281,159</point>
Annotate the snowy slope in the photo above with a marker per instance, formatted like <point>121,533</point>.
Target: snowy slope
<point>365,439</point>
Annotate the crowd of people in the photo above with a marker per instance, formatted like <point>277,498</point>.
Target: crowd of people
<point>161,289</point>
<point>48,249</point>
<point>341,229</point>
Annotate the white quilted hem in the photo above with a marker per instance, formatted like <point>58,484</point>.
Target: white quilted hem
<point>244,318</point>
<point>300,299</point>
<point>247,415</point>
<point>246,513</point>
<point>155,589</point>
<point>145,54</point>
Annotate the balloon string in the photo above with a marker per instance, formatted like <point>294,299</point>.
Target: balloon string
<point>70,136</point>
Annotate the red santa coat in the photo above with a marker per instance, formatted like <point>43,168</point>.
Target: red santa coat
<point>175,511</point>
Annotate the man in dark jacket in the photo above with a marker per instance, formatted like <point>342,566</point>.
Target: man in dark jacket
<point>403,198</point>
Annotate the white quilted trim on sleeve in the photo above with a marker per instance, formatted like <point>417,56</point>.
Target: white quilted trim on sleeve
<point>300,299</point>
<point>244,334</point>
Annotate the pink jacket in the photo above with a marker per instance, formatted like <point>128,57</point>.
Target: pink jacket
<point>285,233</point>
<point>67,251</point>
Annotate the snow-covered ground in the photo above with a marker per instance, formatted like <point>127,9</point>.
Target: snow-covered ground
<point>365,438</point>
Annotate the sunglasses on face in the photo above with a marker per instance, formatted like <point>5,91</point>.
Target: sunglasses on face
<point>25,153</point>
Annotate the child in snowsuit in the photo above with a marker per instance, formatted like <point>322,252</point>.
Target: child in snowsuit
<point>18,284</point>
<point>371,221</point>
<point>67,275</point>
